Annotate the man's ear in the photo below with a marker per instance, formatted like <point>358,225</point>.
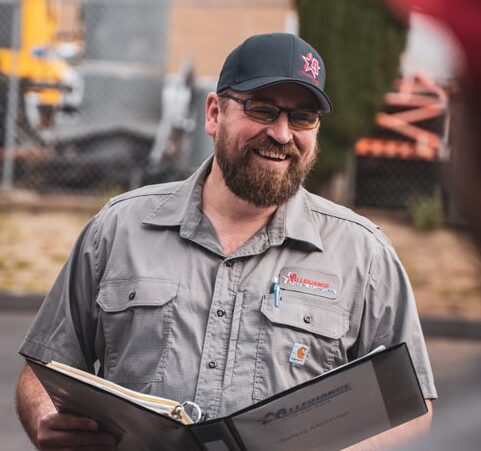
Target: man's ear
<point>211,114</point>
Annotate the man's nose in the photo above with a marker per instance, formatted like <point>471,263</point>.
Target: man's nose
<point>279,130</point>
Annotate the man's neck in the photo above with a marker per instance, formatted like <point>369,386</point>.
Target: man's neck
<point>234,219</point>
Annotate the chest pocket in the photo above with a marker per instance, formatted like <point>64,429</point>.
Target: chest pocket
<point>135,325</point>
<point>300,321</point>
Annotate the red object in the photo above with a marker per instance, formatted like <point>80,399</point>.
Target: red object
<point>415,100</point>
<point>463,18</point>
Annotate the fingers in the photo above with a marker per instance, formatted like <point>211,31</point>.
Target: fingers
<point>75,439</point>
<point>59,431</point>
<point>67,421</point>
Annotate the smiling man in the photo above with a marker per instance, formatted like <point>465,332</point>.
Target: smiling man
<point>170,287</point>
<point>280,167</point>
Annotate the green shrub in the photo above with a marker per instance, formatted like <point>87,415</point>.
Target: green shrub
<point>360,42</point>
<point>426,212</point>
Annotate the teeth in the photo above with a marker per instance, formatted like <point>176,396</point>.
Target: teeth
<point>272,154</point>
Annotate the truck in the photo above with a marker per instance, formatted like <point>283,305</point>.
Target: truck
<point>38,41</point>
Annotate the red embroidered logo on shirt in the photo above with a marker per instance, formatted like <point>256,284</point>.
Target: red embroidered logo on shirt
<point>310,281</point>
<point>293,279</point>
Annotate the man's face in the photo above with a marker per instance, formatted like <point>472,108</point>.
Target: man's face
<point>266,163</point>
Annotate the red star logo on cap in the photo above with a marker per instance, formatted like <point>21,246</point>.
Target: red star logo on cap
<point>311,65</point>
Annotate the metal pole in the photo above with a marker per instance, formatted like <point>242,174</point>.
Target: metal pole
<point>12,108</point>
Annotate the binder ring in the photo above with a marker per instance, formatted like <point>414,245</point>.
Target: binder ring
<point>195,408</point>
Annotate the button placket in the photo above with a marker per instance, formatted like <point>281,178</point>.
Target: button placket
<point>217,344</point>
<point>214,353</point>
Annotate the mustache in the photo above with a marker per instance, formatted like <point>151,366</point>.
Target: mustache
<point>267,143</point>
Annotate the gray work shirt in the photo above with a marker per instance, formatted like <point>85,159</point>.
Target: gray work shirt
<point>149,293</point>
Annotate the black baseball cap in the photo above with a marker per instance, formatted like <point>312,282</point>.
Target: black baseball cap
<point>268,59</point>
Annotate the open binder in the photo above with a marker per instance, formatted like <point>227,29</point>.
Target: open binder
<point>334,410</point>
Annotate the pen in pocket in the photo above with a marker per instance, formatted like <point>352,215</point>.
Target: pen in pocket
<point>275,289</point>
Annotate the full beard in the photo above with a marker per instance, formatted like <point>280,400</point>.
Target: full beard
<point>260,185</point>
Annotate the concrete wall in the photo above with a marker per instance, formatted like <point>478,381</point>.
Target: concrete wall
<point>207,30</point>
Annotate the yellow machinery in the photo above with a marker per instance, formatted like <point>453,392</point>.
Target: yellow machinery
<point>46,29</point>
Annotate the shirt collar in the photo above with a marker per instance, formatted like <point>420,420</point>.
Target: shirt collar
<point>294,220</point>
<point>182,207</point>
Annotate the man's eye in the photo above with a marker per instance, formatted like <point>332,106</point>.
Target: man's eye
<point>262,111</point>
<point>303,117</point>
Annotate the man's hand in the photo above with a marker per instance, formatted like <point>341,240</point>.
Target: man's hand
<point>61,431</point>
<point>53,431</point>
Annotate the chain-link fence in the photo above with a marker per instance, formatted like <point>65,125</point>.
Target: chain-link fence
<point>85,103</point>
<point>86,107</point>
<point>392,183</point>
<point>406,156</point>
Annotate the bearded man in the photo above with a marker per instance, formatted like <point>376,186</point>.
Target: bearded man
<point>169,286</point>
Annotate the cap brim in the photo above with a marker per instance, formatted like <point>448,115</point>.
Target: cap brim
<point>262,82</point>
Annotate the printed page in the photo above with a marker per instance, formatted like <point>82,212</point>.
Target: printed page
<point>330,414</point>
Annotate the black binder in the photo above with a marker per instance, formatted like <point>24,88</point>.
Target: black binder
<point>332,411</point>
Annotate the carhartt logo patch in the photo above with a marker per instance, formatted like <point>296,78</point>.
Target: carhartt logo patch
<point>298,354</point>
<point>308,281</point>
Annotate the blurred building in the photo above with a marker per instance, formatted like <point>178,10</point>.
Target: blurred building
<point>403,158</point>
<point>125,64</point>
<point>208,30</point>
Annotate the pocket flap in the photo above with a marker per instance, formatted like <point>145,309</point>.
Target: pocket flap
<point>317,318</point>
<point>119,295</point>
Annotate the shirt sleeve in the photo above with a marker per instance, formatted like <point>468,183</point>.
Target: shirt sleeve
<point>390,315</point>
<point>64,328</point>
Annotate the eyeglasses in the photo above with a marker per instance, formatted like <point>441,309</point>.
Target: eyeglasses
<point>267,113</point>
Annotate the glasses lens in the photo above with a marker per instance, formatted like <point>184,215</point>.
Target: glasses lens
<point>261,111</point>
<point>303,119</point>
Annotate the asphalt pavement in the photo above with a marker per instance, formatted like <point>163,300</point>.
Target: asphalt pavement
<point>455,359</point>
<point>13,326</point>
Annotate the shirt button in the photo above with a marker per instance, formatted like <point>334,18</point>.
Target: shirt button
<point>307,319</point>
<point>220,312</point>
<point>212,364</point>
<point>131,295</point>
<point>229,263</point>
